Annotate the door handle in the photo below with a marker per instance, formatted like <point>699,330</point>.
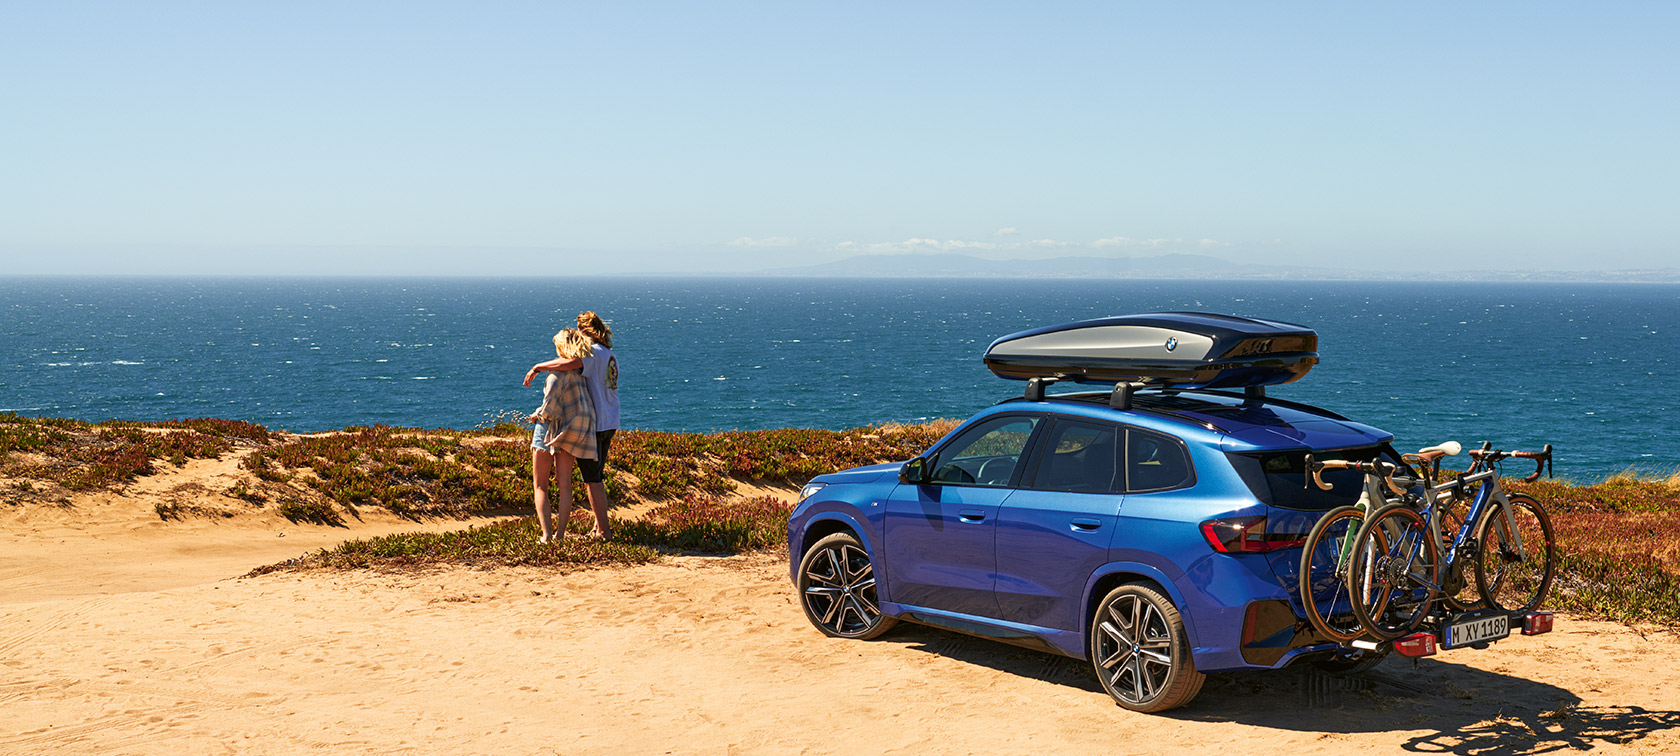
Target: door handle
<point>971,515</point>
<point>1086,524</point>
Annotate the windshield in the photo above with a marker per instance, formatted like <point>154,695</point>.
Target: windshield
<point>1280,479</point>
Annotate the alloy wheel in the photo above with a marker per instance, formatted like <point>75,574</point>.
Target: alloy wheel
<point>837,587</point>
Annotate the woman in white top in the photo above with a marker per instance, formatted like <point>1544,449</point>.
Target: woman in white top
<point>562,431</point>
<point>600,373</point>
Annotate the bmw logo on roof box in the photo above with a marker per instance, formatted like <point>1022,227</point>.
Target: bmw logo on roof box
<point>1172,343</point>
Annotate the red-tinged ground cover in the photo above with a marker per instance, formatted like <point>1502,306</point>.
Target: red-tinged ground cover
<point>451,473</point>
<point>81,456</point>
<point>1620,546</point>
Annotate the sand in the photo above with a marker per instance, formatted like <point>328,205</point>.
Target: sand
<point>123,634</point>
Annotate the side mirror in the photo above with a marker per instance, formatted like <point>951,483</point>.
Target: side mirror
<point>914,471</point>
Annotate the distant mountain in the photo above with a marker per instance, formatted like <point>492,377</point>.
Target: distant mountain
<point>1178,266</point>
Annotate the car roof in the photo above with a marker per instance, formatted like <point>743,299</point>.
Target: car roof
<point>1232,421</point>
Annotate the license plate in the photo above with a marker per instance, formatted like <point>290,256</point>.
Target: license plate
<point>1478,630</point>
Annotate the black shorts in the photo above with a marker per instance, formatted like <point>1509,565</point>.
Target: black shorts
<point>592,469</point>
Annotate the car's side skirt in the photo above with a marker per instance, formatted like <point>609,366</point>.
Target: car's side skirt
<point>1045,639</point>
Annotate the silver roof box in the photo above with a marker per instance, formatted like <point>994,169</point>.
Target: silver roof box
<point>1179,349</point>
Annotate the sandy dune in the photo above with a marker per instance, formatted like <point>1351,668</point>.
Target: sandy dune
<point>121,636</point>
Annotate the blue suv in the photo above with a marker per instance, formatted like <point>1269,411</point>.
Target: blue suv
<point>1153,529</point>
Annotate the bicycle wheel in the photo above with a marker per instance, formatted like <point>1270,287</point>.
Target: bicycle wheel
<point>1393,572</point>
<point>1510,578</point>
<point>1325,591</point>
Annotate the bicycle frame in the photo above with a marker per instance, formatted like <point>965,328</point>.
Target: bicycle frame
<point>1373,500</point>
<point>1491,493</point>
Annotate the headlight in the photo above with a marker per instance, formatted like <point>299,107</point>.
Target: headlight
<point>810,488</point>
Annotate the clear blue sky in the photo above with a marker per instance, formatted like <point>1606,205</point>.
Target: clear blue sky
<point>546,137</point>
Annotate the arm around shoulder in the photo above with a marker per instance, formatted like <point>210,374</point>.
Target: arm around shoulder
<point>555,364</point>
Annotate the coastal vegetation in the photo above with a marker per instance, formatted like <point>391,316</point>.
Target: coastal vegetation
<point>1619,539</point>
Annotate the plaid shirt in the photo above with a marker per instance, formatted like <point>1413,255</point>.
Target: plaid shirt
<point>568,415</point>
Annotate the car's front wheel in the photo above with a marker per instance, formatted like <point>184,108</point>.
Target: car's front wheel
<point>1140,651</point>
<point>837,589</point>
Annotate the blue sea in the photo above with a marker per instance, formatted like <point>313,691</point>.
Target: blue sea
<point>1586,367</point>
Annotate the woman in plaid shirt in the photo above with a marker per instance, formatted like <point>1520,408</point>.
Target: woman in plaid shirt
<point>563,431</point>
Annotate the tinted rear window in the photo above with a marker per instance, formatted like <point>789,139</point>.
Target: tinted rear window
<point>1280,480</point>
<point>1156,463</point>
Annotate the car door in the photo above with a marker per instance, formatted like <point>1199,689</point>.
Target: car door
<point>941,536</point>
<point>1160,489</point>
<point>1056,528</point>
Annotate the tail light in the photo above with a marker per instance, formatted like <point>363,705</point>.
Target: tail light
<point>1416,645</point>
<point>1535,623</point>
<point>1246,535</point>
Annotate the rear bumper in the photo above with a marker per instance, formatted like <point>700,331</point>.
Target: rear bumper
<point>1273,637</point>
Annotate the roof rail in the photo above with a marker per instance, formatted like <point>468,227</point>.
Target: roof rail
<point>1273,400</point>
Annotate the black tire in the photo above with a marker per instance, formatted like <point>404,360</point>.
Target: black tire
<point>1140,651</point>
<point>1324,574</point>
<point>837,589</point>
<point>1394,566</point>
<point>1507,581</point>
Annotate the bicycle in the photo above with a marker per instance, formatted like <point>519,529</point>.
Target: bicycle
<point>1324,585</point>
<point>1396,572</point>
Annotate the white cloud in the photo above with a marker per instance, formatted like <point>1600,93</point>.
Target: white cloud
<point>769,241</point>
<point>1006,231</point>
<point>929,245</point>
<point>1114,241</point>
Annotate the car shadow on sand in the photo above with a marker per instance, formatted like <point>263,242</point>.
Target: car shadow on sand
<point>1457,709</point>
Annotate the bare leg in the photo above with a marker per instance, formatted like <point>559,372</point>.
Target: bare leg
<point>598,503</point>
<point>542,466</point>
<point>563,462</point>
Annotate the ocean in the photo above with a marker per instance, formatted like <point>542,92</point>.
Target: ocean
<point>1585,367</point>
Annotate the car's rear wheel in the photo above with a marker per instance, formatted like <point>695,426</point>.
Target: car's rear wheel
<point>1140,651</point>
<point>837,589</point>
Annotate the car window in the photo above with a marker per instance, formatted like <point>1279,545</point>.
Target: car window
<point>1280,479</point>
<point>1080,457</point>
<point>985,455</point>
<point>1156,463</point>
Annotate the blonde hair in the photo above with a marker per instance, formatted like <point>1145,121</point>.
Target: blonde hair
<point>570,344</point>
<point>592,326</point>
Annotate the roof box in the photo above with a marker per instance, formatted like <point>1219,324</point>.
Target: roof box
<point>1179,349</point>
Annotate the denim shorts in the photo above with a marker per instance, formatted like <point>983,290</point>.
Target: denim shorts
<point>537,437</point>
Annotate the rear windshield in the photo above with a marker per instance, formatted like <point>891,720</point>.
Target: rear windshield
<point>1280,480</point>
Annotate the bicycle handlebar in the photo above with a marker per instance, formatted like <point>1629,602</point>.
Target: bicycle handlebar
<point>1542,459</point>
<point>1385,470</point>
